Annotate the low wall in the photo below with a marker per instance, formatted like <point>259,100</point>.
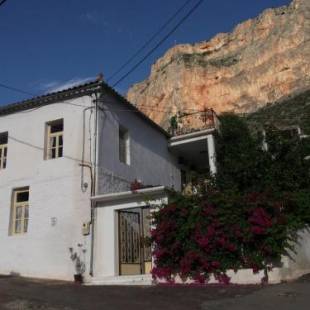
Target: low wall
<point>294,266</point>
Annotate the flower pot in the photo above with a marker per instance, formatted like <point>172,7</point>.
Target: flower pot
<point>78,278</point>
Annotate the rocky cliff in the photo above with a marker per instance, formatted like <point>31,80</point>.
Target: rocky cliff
<point>262,60</point>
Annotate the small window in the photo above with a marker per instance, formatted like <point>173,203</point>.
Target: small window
<point>124,153</point>
<point>3,149</point>
<point>54,139</point>
<point>20,211</point>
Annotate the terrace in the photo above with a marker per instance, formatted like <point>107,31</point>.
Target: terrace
<point>188,123</point>
<point>193,142</point>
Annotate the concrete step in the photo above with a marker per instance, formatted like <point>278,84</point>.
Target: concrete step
<point>121,280</point>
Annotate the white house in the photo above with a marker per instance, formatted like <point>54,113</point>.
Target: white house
<point>67,163</point>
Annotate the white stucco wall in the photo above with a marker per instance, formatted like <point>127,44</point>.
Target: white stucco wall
<point>106,254</point>
<point>55,192</point>
<point>298,262</point>
<point>150,160</point>
<point>55,185</point>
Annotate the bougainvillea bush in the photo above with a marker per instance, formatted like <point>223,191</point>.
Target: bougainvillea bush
<point>230,225</point>
<point>202,235</point>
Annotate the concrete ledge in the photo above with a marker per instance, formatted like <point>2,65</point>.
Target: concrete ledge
<point>140,280</point>
<point>247,277</point>
<point>140,193</point>
<point>191,137</point>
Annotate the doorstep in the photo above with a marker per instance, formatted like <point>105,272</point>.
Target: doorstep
<point>144,279</point>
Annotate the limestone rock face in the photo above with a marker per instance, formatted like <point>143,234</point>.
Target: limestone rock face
<point>263,60</point>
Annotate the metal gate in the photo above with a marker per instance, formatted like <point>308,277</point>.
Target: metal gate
<point>129,235</point>
<point>134,251</point>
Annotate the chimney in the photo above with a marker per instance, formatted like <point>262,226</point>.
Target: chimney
<point>99,77</point>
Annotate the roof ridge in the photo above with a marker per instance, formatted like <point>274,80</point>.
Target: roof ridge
<point>51,94</point>
<point>72,92</point>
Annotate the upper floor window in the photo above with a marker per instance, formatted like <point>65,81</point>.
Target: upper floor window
<point>20,211</point>
<point>124,152</point>
<point>3,149</point>
<point>54,139</point>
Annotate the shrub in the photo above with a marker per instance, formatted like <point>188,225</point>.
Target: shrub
<point>209,234</point>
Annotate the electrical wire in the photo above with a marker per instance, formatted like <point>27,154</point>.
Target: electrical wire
<point>2,2</point>
<point>191,11</point>
<point>16,89</point>
<point>144,108</point>
<point>35,95</point>
<point>147,43</point>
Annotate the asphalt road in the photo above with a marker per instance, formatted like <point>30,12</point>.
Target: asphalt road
<point>26,294</point>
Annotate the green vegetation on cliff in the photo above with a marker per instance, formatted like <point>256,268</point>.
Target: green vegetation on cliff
<point>292,111</point>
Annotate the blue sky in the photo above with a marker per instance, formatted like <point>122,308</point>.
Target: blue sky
<point>46,44</point>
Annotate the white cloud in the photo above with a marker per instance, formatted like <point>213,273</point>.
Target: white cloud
<point>55,86</point>
<point>90,17</point>
<point>95,18</point>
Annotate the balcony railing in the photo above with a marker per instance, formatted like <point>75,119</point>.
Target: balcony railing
<point>186,123</point>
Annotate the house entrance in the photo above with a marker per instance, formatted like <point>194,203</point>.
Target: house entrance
<point>134,246</point>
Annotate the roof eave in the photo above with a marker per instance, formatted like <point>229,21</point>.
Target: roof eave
<point>67,94</point>
<point>74,92</point>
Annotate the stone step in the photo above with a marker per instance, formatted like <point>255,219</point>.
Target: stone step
<point>121,280</point>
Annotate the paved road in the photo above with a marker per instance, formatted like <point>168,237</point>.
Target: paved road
<point>22,294</point>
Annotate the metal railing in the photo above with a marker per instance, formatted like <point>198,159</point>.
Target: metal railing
<point>186,123</point>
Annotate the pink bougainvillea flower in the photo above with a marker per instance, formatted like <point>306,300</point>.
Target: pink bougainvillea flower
<point>208,210</point>
<point>223,278</point>
<point>258,230</point>
<point>211,231</point>
<point>160,253</point>
<point>260,217</point>
<point>221,241</point>
<point>161,273</point>
<point>231,247</point>
<point>215,264</point>
<point>200,278</point>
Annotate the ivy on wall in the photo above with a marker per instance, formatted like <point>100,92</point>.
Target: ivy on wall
<point>248,218</point>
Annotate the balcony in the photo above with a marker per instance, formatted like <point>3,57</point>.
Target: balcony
<point>188,123</point>
<point>192,140</point>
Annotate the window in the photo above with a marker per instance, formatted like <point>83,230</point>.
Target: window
<point>54,139</point>
<point>20,211</point>
<point>124,154</point>
<point>3,149</point>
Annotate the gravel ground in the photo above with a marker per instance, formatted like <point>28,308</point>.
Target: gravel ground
<point>27,294</point>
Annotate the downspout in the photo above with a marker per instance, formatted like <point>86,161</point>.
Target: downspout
<point>83,165</point>
<point>93,173</point>
<point>94,191</point>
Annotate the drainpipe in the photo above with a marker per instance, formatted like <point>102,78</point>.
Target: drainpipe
<point>94,190</point>
<point>93,173</point>
<point>83,165</point>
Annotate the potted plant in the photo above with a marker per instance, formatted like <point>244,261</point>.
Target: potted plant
<point>136,185</point>
<point>78,263</point>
